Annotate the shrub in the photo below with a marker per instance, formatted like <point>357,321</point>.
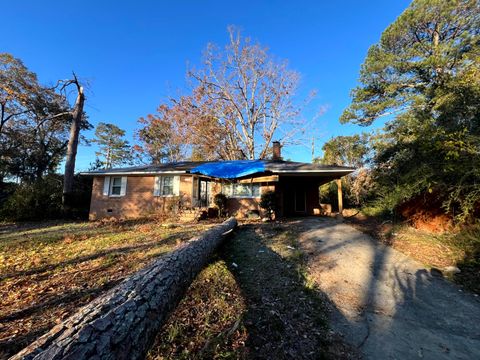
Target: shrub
<point>468,240</point>
<point>39,200</point>
<point>6,190</point>
<point>329,195</point>
<point>268,201</point>
<point>220,201</point>
<point>42,200</point>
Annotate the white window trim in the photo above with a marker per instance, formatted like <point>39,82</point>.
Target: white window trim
<point>123,186</point>
<point>110,191</point>
<point>243,196</point>
<point>158,186</point>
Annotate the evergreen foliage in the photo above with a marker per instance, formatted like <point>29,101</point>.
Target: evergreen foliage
<point>424,74</point>
<point>268,201</point>
<point>114,150</point>
<point>220,201</point>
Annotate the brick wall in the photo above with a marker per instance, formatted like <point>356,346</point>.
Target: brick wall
<point>138,200</point>
<point>241,207</point>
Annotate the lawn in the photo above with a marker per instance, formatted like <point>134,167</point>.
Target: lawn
<point>254,300</point>
<point>48,270</point>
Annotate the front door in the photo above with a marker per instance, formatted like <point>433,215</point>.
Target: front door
<point>203,195</point>
<point>300,201</point>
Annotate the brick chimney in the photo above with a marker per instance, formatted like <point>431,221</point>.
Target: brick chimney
<point>276,151</point>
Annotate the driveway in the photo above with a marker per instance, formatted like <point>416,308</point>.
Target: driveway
<point>385,303</point>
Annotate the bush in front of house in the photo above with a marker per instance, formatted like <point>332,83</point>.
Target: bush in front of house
<point>268,201</point>
<point>220,201</point>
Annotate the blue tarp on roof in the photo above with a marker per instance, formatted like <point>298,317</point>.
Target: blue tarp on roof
<point>230,169</point>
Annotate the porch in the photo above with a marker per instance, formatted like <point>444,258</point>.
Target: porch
<point>300,195</point>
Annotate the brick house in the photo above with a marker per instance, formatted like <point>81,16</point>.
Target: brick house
<point>185,186</point>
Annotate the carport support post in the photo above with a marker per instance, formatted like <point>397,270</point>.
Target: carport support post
<point>340,196</point>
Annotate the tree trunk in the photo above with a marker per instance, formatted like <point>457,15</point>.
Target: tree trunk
<point>340,196</point>
<point>123,323</point>
<point>72,149</point>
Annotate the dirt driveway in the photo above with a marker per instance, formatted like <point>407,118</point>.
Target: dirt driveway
<point>385,303</point>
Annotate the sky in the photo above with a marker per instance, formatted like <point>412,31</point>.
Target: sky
<point>134,54</point>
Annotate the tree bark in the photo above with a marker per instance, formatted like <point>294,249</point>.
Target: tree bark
<point>72,147</point>
<point>123,323</point>
<point>340,196</point>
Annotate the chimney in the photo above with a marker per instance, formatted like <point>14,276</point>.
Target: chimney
<point>276,151</point>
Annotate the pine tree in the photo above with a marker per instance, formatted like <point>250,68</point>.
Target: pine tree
<point>114,150</point>
<point>424,75</point>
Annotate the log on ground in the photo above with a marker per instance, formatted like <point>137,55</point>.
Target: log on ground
<point>122,323</point>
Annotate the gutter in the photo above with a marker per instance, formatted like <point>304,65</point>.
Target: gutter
<point>131,173</point>
<point>268,171</point>
<point>312,171</point>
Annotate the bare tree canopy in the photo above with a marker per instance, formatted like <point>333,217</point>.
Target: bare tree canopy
<point>241,99</point>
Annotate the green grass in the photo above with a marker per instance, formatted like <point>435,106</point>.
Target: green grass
<point>285,318</point>
<point>467,241</point>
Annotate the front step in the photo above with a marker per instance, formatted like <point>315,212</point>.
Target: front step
<point>189,215</point>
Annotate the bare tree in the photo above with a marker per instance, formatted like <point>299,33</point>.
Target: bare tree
<point>76,125</point>
<point>247,95</point>
<point>241,99</point>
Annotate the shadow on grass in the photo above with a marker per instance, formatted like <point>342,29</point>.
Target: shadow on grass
<point>51,232</point>
<point>24,321</point>
<point>285,318</point>
<point>169,240</point>
<point>67,297</point>
<point>10,346</point>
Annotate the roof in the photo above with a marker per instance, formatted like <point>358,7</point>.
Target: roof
<point>232,169</point>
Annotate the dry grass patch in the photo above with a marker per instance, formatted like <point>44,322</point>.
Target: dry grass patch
<point>459,248</point>
<point>430,249</point>
<point>254,303</point>
<point>207,323</point>
<point>48,270</point>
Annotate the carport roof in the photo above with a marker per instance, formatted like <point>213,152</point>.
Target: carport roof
<point>233,169</point>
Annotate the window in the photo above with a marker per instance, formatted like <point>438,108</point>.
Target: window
<point>227,189</point>
<point>116,188</point>
<point>242,190</point>
<point>167,185</point>
<point>239,190</point>
<point>256,190</point>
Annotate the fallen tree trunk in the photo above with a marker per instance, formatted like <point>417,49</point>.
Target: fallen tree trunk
<point>123,323</point>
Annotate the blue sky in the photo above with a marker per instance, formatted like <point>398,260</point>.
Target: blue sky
<point>134,54</point>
